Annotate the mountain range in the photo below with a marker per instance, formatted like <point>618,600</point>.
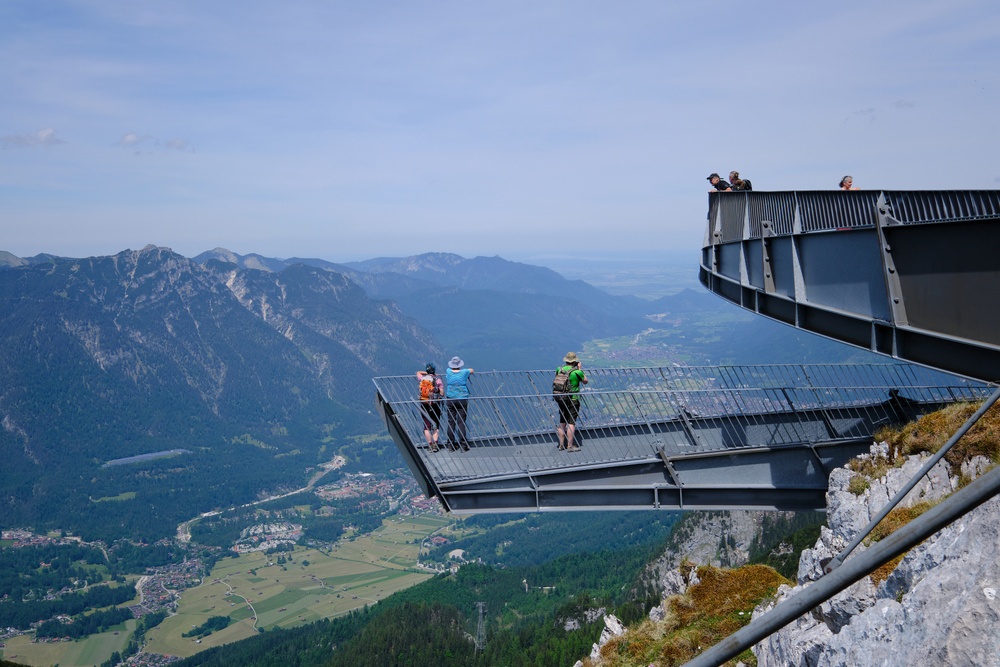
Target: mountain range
<point>250,371</point>
<point>255,369</point>
<point>494,313</point>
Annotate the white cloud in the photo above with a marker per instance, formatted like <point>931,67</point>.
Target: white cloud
<point>142,144</point>
<point>44,137</point>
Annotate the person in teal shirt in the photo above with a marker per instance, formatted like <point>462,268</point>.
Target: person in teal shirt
<point>569,403</point>
<point>457,399</point>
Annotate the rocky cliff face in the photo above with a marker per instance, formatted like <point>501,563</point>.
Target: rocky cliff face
<point>721,539</point>
<point>937,607</point>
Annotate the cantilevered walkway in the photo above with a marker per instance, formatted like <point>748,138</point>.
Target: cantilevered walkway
<point>754,437</point>
<point>911,274</point>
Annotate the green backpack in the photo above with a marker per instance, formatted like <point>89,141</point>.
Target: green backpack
<point>561,384</point>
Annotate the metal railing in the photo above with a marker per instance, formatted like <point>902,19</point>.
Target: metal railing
<point>736,216</point>
<point>643,414</point>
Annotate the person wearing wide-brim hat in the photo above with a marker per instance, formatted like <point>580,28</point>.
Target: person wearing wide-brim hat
<point>569,402</point>
<point>457,398</point>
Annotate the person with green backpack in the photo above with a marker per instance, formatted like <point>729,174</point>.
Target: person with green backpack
<point>566,391</point>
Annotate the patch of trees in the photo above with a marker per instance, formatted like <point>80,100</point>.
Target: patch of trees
<point>213,624</point>
<point>519,540</point>
<point>781,539</point>
<point>129,558</point>
<point>323,529</point>
<point>84,625</point>
<point>410,634</point>
<point>280,548</point>
<point>21,615</point>
<point>29,573</point>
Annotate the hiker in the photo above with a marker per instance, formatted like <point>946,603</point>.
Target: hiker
<point>431,391</point>
<point>566,391</point>
<point>718,183</point>
<point>457,397</point>
<point>739,184</point>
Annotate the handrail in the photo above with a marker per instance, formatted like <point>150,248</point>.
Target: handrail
<point>941,515</point>
<point>929,464</point>
<point>737,216</point>
<point>633,415</point>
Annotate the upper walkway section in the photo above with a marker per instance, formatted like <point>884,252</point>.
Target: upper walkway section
<point>911,274</point>
<point>756,437</point>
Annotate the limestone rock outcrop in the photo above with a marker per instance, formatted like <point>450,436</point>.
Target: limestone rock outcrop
<point>938,607</point>
<point>721,539</point>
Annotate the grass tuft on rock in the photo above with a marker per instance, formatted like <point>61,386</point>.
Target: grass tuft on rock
<point>719,605</point>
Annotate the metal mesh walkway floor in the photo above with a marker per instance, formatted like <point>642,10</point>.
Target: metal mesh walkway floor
<point>762,437</point>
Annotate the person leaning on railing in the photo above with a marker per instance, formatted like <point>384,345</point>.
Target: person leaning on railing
<point>457,399</point>
<point>718,183</point>
<point>739,184</point>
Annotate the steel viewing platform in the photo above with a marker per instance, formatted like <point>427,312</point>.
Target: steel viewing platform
<point>750,437</point>
<point>911,274</point>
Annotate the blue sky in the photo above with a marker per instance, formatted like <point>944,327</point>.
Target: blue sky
<point>348,130</point>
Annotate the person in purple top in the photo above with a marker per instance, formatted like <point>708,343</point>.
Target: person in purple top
<point>457,399</point>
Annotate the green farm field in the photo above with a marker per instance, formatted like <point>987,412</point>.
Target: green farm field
<point>311,584</point>
<point>356,571</point>
<point>84,653</point>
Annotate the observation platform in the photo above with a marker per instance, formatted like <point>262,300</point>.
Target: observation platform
<point>914,275</point>
<point>747,437</point>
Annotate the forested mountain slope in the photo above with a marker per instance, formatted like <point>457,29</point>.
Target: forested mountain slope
<point>144,351</point>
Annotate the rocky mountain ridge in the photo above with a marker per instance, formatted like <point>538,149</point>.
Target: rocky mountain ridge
<point>146,350</point>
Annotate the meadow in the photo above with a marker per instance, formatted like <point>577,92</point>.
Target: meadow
<point>256,592</point>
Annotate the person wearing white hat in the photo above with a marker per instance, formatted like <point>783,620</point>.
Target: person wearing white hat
<point>457,397</point>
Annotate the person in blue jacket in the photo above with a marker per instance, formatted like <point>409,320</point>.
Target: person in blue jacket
<point>457,400</point>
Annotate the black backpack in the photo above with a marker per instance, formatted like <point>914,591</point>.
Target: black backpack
<point>561,384</point>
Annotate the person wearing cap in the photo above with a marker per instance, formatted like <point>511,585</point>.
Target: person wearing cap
<point>718,183</point>
<point>457,397</point>
<point>739,184</point>
<point>430,406</point>
<point>569,404</point>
